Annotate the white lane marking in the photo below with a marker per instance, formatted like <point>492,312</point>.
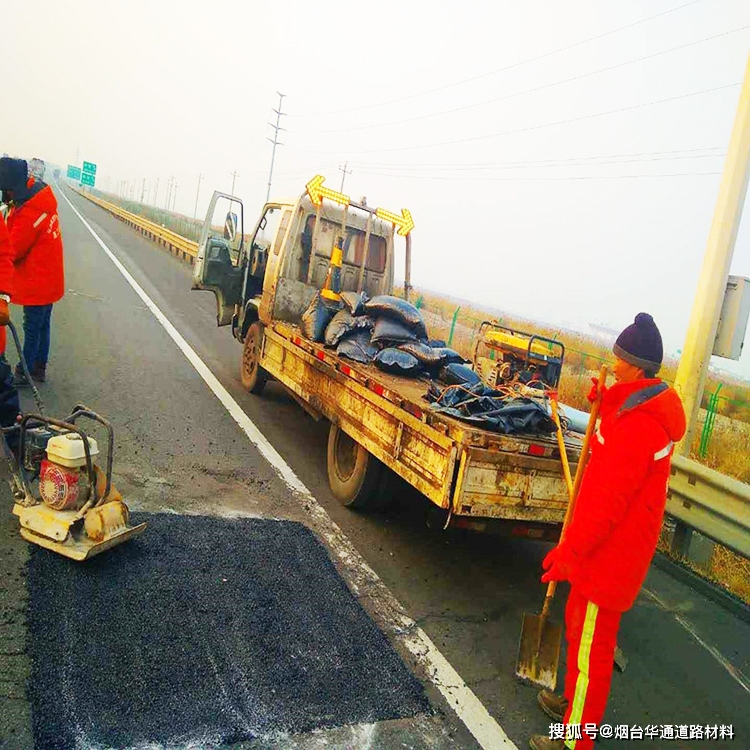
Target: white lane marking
<point>733,671</point>
<point>472,712</point>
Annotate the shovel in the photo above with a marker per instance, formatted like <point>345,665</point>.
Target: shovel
<point>539,647</point>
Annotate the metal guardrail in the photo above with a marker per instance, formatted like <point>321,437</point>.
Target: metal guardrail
<point>176,243</point>
<point>712,503</point>
<point>699,498</point>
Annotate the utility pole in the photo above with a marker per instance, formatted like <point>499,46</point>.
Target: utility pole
<point>174,196</point>
<point>169,193</point>
<point>234,177</point>
<point>143,189</point>
<point>156,192</point>
<point>197,193</point>
<point>345,173</point>
<point>275,141</point>
<point>712,284</point>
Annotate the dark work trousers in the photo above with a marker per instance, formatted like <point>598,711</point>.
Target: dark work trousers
<point>36,334</point>
<point>9,405</point>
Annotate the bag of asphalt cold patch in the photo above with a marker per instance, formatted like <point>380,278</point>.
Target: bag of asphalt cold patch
<point>357,346</point>
<point>391,331</point>
<point>343,323</point>
<point>397,362</point>
<point>387,306</point>
<point>316,318</point>
<point>428,356</point>
<point>355,302</point>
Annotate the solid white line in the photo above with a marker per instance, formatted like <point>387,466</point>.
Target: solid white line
<point>733,671</point>
<point>472,712</point>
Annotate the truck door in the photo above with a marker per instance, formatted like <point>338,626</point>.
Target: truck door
<point>219,265</point>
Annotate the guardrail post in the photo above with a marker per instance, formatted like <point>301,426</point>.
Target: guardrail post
<point>681,540</point>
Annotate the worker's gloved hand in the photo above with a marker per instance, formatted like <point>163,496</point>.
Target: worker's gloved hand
<point>558,564</point>
<point>595,390</point>
<point>4,313</point>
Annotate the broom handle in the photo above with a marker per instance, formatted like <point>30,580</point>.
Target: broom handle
<point>582,461</point>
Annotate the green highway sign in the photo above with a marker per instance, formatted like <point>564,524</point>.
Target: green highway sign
<point>74,173</point>
<point>89,167</point>
<point>88,179</point>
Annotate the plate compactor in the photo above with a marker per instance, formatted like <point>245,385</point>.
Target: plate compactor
<point>63,500</point>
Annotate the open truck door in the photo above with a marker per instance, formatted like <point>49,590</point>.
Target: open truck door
<point>219,265</point>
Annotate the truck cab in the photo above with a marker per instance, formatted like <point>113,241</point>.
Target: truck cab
<point>270,271</point>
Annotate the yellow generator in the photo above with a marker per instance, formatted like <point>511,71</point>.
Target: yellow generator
<point>512,357</point>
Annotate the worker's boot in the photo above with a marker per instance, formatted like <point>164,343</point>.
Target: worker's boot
<point>542,742</point>
<point>553,705</point>
<point>19,378</point>
<point>39,372</point>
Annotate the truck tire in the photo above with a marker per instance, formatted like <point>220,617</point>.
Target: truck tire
<point>353,473</point>
<point>253,376</point>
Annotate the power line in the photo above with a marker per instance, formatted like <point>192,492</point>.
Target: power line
<point>541,164</point>
<point>542,179</point>
<point>535,89</point>
<point>536,127</point>
<point>504,68</point>
<point>473,165</point>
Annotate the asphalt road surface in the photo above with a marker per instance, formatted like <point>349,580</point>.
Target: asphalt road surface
<point>179,451</point>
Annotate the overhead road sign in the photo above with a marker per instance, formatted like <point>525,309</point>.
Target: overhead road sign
<point>74,173</point>
<point>89,167</point>
<point>88,179</point>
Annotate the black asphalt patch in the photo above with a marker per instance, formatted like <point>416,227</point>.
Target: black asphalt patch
<point>205,631</point>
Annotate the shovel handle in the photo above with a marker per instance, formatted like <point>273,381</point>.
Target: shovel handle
<point>575,486</point>
<point>584,459</point>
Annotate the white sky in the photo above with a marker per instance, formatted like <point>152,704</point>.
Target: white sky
<point>560,213</point>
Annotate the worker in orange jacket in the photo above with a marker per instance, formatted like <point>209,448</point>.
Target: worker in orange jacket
<point>607,549</point>
<point>37,246</point>
<point>9,406</point>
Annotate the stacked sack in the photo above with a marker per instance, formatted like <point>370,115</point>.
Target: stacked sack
<point>385,330</point>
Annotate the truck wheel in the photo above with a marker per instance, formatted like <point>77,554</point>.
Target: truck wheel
<point>353,473</point>
<point>254,377</point>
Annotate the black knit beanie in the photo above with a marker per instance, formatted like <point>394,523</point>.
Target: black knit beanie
<point>13,173</point>
<point>640,345</point>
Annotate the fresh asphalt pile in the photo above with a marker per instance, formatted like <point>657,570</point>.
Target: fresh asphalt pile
<point>205,631</point>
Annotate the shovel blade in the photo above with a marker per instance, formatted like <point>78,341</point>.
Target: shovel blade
<point>539,652</point>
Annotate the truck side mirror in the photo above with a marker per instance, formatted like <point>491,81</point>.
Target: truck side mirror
<point>230,227</point>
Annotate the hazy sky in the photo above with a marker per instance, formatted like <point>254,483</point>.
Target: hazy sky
<point>561,159</point>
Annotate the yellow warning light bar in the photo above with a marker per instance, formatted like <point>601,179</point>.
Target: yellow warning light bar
<point>317,192</point>
<point>404,222</point>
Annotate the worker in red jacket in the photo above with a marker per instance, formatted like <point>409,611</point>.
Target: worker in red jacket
<point>608,547</point>
<point>37,246</point>
<point>9,406</point>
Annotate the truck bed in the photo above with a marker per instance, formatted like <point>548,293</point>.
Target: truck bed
<point>470,470</point>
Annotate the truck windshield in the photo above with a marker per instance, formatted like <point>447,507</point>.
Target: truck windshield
<point>354,244</point>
